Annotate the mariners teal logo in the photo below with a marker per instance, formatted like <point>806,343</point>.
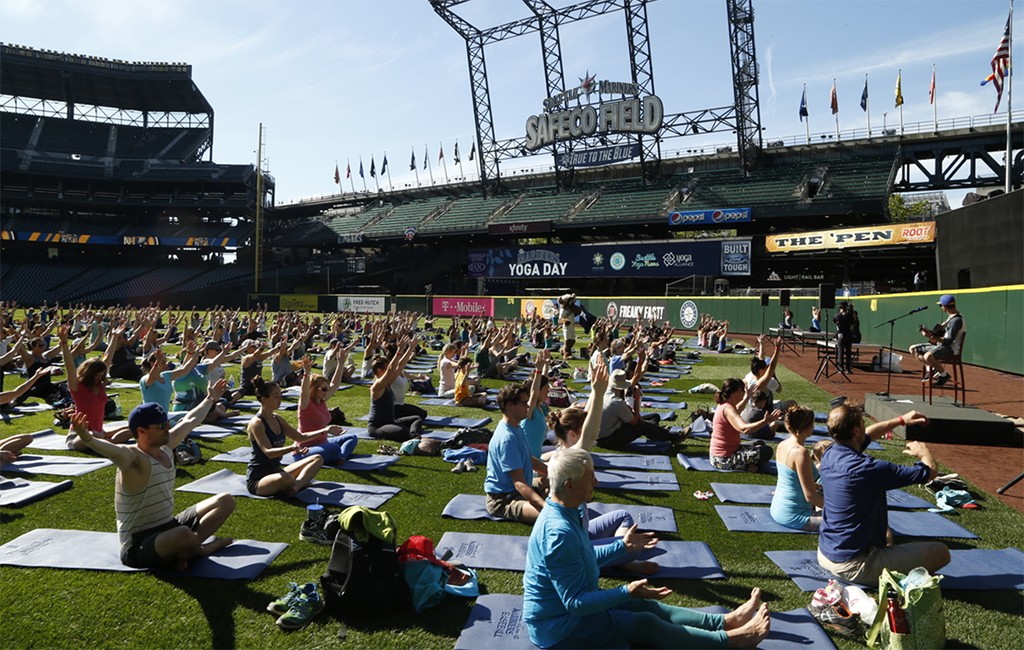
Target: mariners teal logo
<point>617,261</point>
<point>688,314</point>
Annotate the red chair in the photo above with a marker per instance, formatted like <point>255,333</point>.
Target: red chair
<point>955,368</point>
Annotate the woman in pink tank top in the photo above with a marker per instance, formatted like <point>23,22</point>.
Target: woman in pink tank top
<point>333,444</point>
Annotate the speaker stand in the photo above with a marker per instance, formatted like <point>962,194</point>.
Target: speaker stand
<point>786,334</point>
<point>828,363</point>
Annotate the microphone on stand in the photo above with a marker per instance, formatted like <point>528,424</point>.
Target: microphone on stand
<point>914,311</point>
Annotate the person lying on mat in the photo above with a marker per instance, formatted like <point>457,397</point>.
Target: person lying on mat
<point>268,432</point>
<point>728,425</point>
<point>564,606</point>
<point>314,417</point>
<point>852,538</point>
<point>151,536</point>
<point>509,485</point>
<point>577,429</point>
<point>796,490</point>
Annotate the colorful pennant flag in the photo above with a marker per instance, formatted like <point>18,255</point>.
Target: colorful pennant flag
<point>899,89</point>
<point>426,156</point>
<point>412,161</point>
<point>361,175</point>
<point>834,98</point>
<point>455,156</point>
<point>384,165</point>
<point>803,104</point>
<point>373,168</point>
<point>472,152</point>
<point>337,175</point>
<point>440,152</point>
<point>348,170</point>
<point>864,95</point>
<point>931,89</point>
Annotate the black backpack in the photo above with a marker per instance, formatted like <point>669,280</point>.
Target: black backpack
<point>468,436</point>
<point>362,578</point>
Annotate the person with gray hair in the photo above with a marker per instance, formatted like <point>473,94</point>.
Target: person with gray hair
<point>563,604</point>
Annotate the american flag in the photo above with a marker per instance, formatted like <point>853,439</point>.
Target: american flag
<point>1000,65</point>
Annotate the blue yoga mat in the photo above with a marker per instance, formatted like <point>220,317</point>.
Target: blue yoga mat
<point>245,559</point>
<point>624,479</point>
<point>702,464</point>
<point>440,401</point>
<point>762,494</point>
<point>496,623</point>
<point>20,492</point>
<point>969,570</point>
<point>648,401</point>
<point>903,523</point>
<point>325,492</point>
<point>357,463</point>
<point>254,405</point>
<point>683,560</point>
<point>56,465</point>
<point>655,518</point>
<point>631,461</point>
<point>212,432</point>
<point>458,423</point>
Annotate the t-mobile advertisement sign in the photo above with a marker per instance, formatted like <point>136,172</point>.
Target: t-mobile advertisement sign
<point>463,306</point>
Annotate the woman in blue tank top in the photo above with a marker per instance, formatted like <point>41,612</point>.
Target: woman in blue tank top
<point>796,492</point>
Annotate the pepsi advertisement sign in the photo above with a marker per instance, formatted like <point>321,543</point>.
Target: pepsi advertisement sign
<point>708,217</point>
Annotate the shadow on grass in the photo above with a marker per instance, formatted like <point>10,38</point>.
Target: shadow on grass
<point>1006,601</point>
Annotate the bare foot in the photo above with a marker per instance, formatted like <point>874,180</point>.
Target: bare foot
<point>742,614</point>
<point>753,632</point>
<point>640,567</point>
<point>216,544</point>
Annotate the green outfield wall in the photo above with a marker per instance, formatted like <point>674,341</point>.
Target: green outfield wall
<point>993,316</point>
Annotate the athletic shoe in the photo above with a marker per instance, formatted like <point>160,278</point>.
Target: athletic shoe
<point>838,619</point>
<point>303,609</point>
<point>316,531</point>
<point>940,380</point>
<point>459,468</point>
<point>469,466</point>
<point>284,603</point>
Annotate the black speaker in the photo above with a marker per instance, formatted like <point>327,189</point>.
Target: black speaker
<point>784,298</point>
<point>764,299</point>
<point>827,296</point>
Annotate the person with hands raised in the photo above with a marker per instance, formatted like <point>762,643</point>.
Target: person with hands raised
<point>728,425</point>
<point>88,388</point>
<point>852,542</point>
<point>383,423</point>
<point>564,606</point>
<point>151,536</point>
<point>332,443</point>
<point>269,434</point>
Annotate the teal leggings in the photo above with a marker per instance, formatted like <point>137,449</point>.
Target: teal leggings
<point>651,624</point>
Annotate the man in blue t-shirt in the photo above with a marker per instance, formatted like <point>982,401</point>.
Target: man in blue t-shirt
<point>510,466</point>
<point>852,541</point>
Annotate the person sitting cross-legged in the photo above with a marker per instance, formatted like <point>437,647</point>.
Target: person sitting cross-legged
<point>151,535</point>
<point>509,485</point>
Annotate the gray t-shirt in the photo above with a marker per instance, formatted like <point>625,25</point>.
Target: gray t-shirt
<point>614,414</point>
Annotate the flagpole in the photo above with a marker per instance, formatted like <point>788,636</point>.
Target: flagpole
<point>414,167</point>
<point>391,188</point>
<point>337,177</point>
<point>807,121</point>
<point>363,176</point>
<point>867,104</point>
<point>1008,165</point>
<point>935,102</point>
<point>426,163</point>
<point>444,163</point>
<point>374,175</point>
<point>836,106</point>
<point>348,172</point>
<point>900,77</point>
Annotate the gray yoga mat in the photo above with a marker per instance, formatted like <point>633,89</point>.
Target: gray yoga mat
<point>649,402</point>
<point>213,432</point>
<point>903,523</point>
<point>49,440</point>
<point>245,559</point>
<point>624,479</point>
<point>440,401</point>
<point>445,421</point>
<point>29,409</point>
<point>631,461</point>
<point>762,494</point>
<point>655,518</point>
<point>702,464</point>
<point>357,463</point>
<point>254,405</point>
<point>20,492</point>
<point>970,569</point>
<point>496,623</point>
<point>325,492</point>
<point>56,465</point>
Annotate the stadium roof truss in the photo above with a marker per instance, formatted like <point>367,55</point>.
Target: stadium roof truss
<point>743,117</point>
<point>109,91</point>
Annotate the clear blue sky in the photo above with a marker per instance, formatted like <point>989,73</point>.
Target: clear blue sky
<point>336,80</point>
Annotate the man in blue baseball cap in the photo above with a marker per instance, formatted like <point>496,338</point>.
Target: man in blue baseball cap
<point>943,342</point>
<point>151,536</point>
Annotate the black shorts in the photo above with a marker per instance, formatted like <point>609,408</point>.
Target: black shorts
<point>142,552</point>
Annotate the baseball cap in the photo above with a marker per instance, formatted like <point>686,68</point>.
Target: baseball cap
<point>213,345</point>
<point>946,300</point>
<point>146,414</point>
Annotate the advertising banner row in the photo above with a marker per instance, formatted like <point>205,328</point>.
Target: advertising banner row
<point>653,259</point>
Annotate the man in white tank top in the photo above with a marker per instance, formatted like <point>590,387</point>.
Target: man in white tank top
<point>151,536</point>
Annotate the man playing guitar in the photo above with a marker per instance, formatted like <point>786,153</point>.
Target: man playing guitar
<point>941,342</point>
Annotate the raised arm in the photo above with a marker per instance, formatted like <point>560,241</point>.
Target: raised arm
<point>122,455</point>
<point>595,405</point>
<point>192,358</point>
<point>69,361</point>
<point>197,415</point>
<point>306,387</point>
<point>543,357</point>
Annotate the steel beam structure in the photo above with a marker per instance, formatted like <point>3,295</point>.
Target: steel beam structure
<point>642,71</point>
<point>744,80</point>
<point>959,162</point>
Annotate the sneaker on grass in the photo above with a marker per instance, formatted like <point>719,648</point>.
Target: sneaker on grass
<point>284,603</point>
<point>303,609</point>
<point>316,531</point>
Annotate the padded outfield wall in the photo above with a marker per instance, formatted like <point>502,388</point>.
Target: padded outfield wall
<point>993,316</point>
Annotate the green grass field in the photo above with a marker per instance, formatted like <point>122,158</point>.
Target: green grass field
<point>44,608</point>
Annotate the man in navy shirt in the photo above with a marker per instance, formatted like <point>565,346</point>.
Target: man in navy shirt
<point>852,542</point>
